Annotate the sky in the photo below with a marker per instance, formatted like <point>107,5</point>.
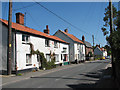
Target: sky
<point>86,16</point>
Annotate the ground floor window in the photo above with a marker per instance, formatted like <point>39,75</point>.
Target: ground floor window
<point>57,57</point>
<point>28,59</point>
<point>48,57</point>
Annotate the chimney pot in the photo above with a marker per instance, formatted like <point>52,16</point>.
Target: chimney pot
<point>46,30</point>
<point>20,18</point>
<point>83,38</point>
<point>66,30</point>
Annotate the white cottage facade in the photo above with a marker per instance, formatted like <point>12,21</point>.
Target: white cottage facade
<point>76,46</point>
<point>100,52</point>
<point>22,37</point>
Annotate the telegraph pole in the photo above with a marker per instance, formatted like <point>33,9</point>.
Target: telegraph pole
<point>111,31</point>
<point>9,38</point>
<point>93,45</point>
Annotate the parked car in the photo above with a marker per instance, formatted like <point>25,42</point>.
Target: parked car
<point>102,58</point>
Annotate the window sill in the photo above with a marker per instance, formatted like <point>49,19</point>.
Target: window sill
<point>28,64</point>
<point>47,46</point>
<point>25,42</point>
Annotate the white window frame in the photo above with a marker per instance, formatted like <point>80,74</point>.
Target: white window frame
<point>47,43</point>
<point>28,60</point>
<point>25,38</point>
<point>55,44</point>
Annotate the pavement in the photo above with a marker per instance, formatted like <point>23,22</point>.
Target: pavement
<point>106,80</point>
<point>90,77</point>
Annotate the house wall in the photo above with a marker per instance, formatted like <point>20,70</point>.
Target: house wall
<point>97,51</point>
<point>71,44</point>
<point>3,45</point>
<point>38,43</point>
<point>0,47</point>
<point>89,50</point>
<point>76,51</point>
<point>82,52</point>
<point>104,53</point>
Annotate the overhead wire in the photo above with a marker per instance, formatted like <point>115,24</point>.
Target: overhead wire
<point>77,28</point>
<point>60,17</point>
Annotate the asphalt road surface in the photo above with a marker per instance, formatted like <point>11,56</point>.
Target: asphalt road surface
<point>83,75</point>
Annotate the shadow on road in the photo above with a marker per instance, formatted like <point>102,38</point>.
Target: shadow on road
<point>89,80</point>
<point>100,83</point>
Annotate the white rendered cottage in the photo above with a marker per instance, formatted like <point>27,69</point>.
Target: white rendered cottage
<point>100,52</point>
<point>76,46</point>
<point>22,37</point>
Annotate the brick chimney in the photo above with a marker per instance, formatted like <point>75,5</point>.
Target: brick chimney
<point>66,30</point>
<point>47,31</point>
<point>83,38</point>
<point>20,18</point>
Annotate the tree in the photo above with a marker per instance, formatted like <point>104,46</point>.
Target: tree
<point>106,19</point>
<point>114,38</point>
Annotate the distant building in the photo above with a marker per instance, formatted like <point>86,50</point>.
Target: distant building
<point>100,52</point>
<point>88,48</point>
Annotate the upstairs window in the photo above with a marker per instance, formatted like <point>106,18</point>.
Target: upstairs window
<point>47,44</point>
<point>25,38</point>
<point>55,44</point>
<point>64,50</point>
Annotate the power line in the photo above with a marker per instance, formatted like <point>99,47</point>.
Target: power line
<point>60,17</point>
<point>24,7</point>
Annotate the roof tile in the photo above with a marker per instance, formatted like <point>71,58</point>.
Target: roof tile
<point>23,28</point>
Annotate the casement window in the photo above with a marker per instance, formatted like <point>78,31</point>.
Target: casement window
<point>25,38</point>
<point>28,60</point>
<point>78,46</point>
<point>55,44</point>
<point>47,43</point>
<point>64,50</point>
<point>57,57</point>
<point>48,57</point>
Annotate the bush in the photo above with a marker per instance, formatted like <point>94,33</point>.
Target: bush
<point>89,54</point>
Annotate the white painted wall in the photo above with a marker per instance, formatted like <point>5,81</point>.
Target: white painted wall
<point>4,31</point>
<point>38,43</point>
<point>71,44</point>
<point>73,48</point>
<point>104,53</point>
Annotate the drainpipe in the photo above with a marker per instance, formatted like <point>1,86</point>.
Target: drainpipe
<point>15,55</point>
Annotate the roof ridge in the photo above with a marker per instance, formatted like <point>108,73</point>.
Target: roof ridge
<point>31,30</point>
<point>73,37</point>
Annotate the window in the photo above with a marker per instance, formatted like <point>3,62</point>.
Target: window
<point>57,58</point>
<point>78,46</point>
<point>48,57</point>
<point>25,38</point>
<point>47,43</point>
<point>55,44</point>
<point>28,59</point>
<point>64,50</point>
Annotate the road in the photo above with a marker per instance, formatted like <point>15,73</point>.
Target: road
<point>82,75</point>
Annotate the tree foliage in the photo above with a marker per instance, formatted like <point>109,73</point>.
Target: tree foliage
<point>106,19</point>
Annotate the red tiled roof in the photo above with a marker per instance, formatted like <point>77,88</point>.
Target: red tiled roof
<point>19,27</point>
<point>73,37</point>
